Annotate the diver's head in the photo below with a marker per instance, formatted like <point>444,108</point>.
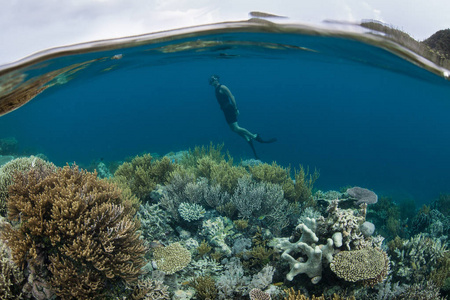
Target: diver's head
<point>213,79</point>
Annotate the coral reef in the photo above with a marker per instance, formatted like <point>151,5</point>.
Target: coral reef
<point>217,230</point>
<point>143,173</point>
<point>150,290</point>
<point>11,277</point>
<point>297,295</point>
<point>233,283</point>
<point>191,211</point>
<point>8,170</point>
<point>257,294</point>
<point>76,226</point>
<point>416,258</point>
<point>318,239</point>
<point>370,265</point>
<point>205,287</point>
<point>154,223</point>
<point>172,258</point>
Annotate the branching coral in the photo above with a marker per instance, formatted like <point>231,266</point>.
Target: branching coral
<point>417,257</point>
<point>297,295</point>
<point>275,174</point>
<point>143,173</point>
<point>205,287</point>
<point>11,277</point>
<point>7,171</point>
<point>150,290</point>
<point>78,226</point>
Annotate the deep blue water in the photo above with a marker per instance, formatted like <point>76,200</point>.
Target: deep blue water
<point>358,113</point>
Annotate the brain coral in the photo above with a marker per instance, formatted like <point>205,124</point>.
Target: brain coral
<point>172,258</point>
<point>77,227</point>
<point>368,264</point>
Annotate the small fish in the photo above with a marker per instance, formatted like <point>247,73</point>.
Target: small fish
<point>277,284</point>
<point>117,56</point>
<point>261,218</point>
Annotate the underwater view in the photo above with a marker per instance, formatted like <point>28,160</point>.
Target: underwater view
<point>243,160</point>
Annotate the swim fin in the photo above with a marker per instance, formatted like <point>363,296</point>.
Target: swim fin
<point>259,139</point>
<point>253,148</point>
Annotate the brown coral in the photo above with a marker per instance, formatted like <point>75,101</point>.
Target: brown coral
<point>297,295</point>
<point>7,171</point>
<point>172,258</point>
<point>11,277</point>
<point>143,173</point>
<point>370,265</point>
<point>77,225</point>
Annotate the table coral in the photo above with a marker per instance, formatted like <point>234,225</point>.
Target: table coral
<point>78,227</point>
<point>172,258</point>
<point>368,264</point>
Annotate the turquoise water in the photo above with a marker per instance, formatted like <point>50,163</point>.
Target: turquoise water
<point>359,113</point>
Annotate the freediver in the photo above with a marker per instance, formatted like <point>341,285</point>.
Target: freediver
<point>228,105</point>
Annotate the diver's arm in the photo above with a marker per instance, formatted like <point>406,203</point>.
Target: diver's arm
<point>230,95</point>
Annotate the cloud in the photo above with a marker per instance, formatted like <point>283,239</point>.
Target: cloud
<point>29,26</point>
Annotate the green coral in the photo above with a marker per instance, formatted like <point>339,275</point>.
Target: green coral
<point>304,182</point>
<point>441,275</point>
<point>143,173</point>
<point>191,158</point>
<point>205,287</point>
<point>275,174</point>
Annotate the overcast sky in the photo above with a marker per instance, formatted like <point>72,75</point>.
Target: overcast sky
<point>28,26</point>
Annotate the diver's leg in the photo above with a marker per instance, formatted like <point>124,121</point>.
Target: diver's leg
<point>247,135</point>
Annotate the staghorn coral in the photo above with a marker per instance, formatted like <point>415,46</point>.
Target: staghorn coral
<point>7,171</point>
<point>427,291</point>
<point>303,186</point>
<point>217,230</point>
<point>172,258</point>
<point>191,211</point>
<point>370,265</point>
<point>150,290</point>
<point>277,175</point>
<point>416,258</point>
<point>297,295</point>
<point>154,222</point>
<point>205,287</point>
<point>78,227</point>
<point>143,173</point>
<point>11,277</point>
<point>190,159</point>
<point>263,200</point>
<point>204,248</point>
<point>241,224</point>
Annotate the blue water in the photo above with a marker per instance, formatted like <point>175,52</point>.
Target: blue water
<point>360,114</point>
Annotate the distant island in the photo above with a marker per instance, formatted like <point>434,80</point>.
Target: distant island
<point>436,48</point>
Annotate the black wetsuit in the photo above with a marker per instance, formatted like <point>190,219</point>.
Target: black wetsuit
<point>225,105</point>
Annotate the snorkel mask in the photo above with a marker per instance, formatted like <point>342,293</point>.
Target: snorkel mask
<point>213,79</point>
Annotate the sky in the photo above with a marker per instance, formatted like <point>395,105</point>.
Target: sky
<point>30,26</point>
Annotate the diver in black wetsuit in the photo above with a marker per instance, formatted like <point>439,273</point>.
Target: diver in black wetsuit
<point>228,106</point>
